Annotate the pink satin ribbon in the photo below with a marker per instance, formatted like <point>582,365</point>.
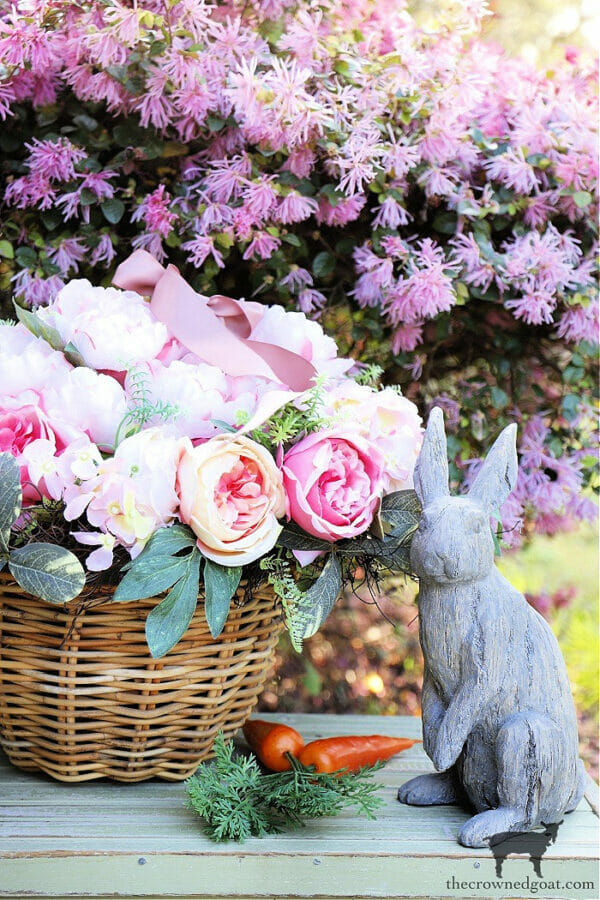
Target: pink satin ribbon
<point>217,329</point>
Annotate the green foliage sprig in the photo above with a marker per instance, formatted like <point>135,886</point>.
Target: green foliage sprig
<point>236,801</point>
<point>142,409</point>
<point>294,420</point>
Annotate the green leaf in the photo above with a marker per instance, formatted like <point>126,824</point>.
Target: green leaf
<point>220,584</point>
<point>317,603</point>
<point>169,620</point>
<point>149,575</point>
<point>402,521</point>
<point>10,498</point>
<point>38,328</point>
<point>294,538</point>
<point>323,264</point>
<point>26,257</point>
<point>499,397</point>
<point>73,355</point>
<point>170,540</point>
<point>401,500</point>
<point>582,199</point>
<point>85,121</point>
<point>113,210</point>
<point>47,571</point>
<point>570,406</point>
<point>6,250</point>
<point>445,223</point>
<point>215,123</point>
<point>87,197</point>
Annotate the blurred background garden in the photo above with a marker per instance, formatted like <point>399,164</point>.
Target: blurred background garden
<point>367,659</point>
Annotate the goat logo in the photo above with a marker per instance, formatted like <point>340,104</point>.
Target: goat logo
<point>534,843</point>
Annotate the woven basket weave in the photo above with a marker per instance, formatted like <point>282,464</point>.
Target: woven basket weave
<point>81,697</point>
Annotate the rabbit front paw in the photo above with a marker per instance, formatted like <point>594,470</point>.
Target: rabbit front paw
<point>447,750</point>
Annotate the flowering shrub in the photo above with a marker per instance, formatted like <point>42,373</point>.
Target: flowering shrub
<point>433,201</point>
<point>101,448</point>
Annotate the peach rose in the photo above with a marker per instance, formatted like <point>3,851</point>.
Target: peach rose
<point>231,495</point>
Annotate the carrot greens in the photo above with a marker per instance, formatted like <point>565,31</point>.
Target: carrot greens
<point>236,800</point>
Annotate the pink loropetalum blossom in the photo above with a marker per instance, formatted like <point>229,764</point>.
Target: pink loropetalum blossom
<point>200,248</point>
<point>103,252</point>
<point>156,213</point>
<point>68,255</point>
<point>426,291</point>
<point>295,208</point>
<point>310,300</point>
<point>54,160</point>
<point>97,183</point>
<point>262,245</point>
<point>580,323</point>
<point>512,169</point>
<point>297,279</point>
<point>391,214</point>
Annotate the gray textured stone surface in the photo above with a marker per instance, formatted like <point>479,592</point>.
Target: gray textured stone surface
<point>499,721</point>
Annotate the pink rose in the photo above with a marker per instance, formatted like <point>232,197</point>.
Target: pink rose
<point>333,481</point>
<point>231,496</point>
<point>21,423</point>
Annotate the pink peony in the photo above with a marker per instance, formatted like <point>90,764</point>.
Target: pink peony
<point>389,421</point>
<point>333,481</point>
<point>21,423</point>
<point>231,495</point>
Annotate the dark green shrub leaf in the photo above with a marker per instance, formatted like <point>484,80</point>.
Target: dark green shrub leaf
<point>168,621</point>
<point>10,498</point>
<point>323,264</point>
<point>220,584</point>
<point>113,210</point>
<point>26,257</point>
<point>47,571</point>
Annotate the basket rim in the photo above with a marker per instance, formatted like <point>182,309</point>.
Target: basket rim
<point>99,594</point>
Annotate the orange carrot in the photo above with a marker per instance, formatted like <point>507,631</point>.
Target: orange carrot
<point>352,752</point>
<point>270,741</point>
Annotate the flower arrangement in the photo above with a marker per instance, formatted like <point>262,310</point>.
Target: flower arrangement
<point>170,439</point>
<point>431,200</point>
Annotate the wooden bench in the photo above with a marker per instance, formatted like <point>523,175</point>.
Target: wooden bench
<point>102,839</point>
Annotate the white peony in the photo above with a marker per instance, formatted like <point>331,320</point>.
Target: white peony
<point>111,329</point>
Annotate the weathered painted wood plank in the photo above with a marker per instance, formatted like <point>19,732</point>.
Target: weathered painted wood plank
<point>106,839</point>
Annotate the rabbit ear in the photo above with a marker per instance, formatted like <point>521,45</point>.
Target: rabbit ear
<point>431,470</point>
<point>498,474</point>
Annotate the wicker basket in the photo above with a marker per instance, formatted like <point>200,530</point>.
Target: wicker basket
<point>81,697</point>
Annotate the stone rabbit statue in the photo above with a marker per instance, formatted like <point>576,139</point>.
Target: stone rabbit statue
<point>498,718</point>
